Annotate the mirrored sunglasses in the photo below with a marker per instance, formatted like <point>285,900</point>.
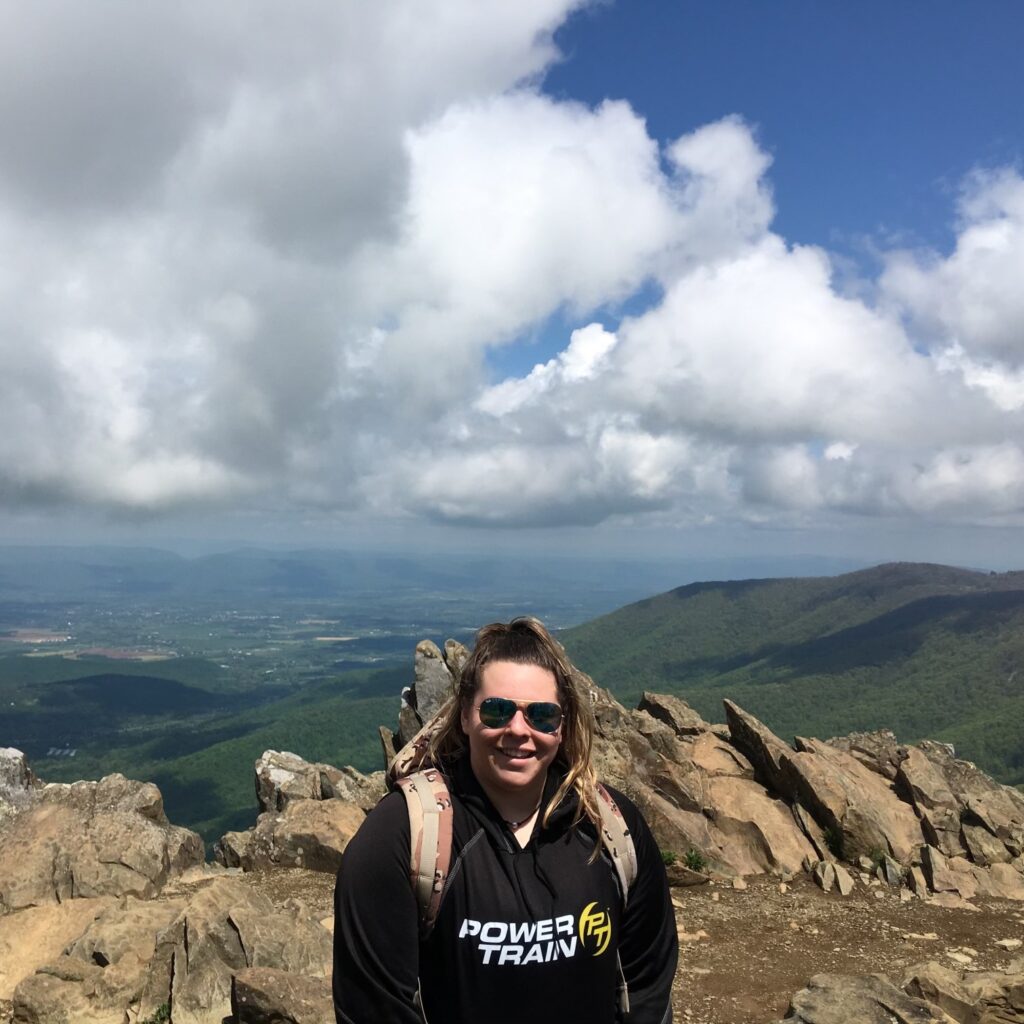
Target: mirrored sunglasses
<point>541,715</point>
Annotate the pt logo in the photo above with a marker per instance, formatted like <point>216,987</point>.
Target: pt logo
<point>595,929</point>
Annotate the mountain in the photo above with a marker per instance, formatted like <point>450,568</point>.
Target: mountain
<point>925,650</point>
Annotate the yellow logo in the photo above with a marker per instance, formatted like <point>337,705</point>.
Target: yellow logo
<point>596,925</point>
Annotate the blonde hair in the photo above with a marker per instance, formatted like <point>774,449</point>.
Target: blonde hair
<point>525,641</point>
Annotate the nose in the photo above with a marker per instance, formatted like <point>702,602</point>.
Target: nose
<point>517,724</point>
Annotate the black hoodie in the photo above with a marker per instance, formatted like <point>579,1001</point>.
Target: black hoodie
<point>523,934</point>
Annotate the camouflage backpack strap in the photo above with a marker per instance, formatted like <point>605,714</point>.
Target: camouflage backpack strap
<point>430,834</point>
<point>619,846</point>
<point>617,841</point>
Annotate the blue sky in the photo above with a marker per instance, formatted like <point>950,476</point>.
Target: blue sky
<point>726,278</point>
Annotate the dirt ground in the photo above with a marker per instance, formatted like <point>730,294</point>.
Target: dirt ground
<point>743,953</point>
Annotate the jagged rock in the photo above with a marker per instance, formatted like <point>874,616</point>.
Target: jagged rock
<point>92,839</point>
<point>434,681</point>
<point>889,871</point>
<point>306,834</point>
<point>978,997</point>
<point>282,777</point>
<point>661,737</point>
<point>34,936</point>
<point>937,872</point>
<point>714,756</point>
<point>813,831</point>
<point>824,875</point>
<point>850,800</point>
<point>455,656</point>
<point>764,749</point>
<point>264,995</point>
<point>858,999</point>
<point>983,847</point>
<point>226,928</point>
<point>674,712</point>
<point>981,800</point>
<point>922,783</point>
<point>878,751</point>
<point>844,880</point>
<point>940,987</point>
<point>127,928</point>
<point>352,786</point>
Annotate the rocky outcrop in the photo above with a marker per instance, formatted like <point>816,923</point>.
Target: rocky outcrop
<point>88,839</point>
<point>310,812</point>
<point>928,993</point>
<point>856,999</point>
<point>282,777</point>
<point>308,834</point>
<point>264,995</point>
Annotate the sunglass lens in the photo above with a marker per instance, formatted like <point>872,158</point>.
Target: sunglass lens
<point>544,716</point>
<point>496,712</point>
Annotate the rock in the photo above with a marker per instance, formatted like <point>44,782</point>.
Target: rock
<point>889,871</point>
<point>878,751</point>
<point>940,987</point>
<point>849,801</point>
<point>763,748</point>
<point>922,782</point>
<point>739,883</point>
<point>824,875</point>
<point>434,682</point>
<point>674,712</point>
<point>979,997</point>
<point>92,839</point>
<point>1008,943</point>
<point>307,834</point>
<point>34,936</point>
<point>937,872</point>
<point>455,656</point>
<point>714,756</point>
<point>281,777</point>
<point>226,928</point>
<point>950,901</point>
<point>264,995</point>
<point>862,999</point>
<point>844,881</point>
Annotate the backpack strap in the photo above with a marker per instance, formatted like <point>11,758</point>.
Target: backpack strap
<point>617,841</point>
<point>430,835</point>
<point>621,850</point>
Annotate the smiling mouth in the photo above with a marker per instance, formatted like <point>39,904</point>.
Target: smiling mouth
<point>516,755</point>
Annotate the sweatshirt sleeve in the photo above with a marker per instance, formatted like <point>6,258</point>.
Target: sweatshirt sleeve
<point>376,936</point>
<point>649,946</point>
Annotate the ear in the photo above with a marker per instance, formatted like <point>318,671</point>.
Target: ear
<point>464,717</point>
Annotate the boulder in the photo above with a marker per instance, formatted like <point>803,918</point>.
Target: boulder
<point>674,712</point>
<point>34,936</point>
<point>762,747</point>
<point>282,777</point>
<point>859,999</point>
<point>226,928</point>
<point>265,995</point>
<point>106,838</point>
<point>923,784</point>
<point>850,802</point>
<point>878,750</point>
<point>306,834</point>
<point>434,682</point>
<point>977,997</point>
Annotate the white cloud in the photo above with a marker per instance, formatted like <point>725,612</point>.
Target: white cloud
<point>262,255</point>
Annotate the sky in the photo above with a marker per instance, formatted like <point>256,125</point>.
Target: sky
<point>654,279</point>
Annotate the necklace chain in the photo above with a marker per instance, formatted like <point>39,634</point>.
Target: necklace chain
<point>518,824</point>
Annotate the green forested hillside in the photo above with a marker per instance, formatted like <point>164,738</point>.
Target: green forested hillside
<point>925,650</point>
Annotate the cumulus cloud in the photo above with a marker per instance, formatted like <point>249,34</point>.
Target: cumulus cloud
<point>263,254</point>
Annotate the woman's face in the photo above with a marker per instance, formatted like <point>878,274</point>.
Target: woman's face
<point>512,760</point>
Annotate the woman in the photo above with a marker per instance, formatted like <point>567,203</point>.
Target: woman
<point>531,926</point>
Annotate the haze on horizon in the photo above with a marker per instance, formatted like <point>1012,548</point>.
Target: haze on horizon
<point>551,275</point>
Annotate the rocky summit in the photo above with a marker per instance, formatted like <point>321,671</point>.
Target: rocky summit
<point>109,913</point>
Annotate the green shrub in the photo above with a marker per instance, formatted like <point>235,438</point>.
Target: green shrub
<point>695,860</point>
<point>161,1015</point>
<point>669,857</point>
